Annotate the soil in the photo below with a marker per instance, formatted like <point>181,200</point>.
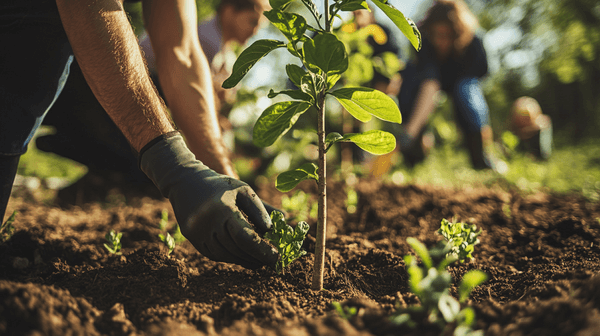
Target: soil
<point>541,253</point>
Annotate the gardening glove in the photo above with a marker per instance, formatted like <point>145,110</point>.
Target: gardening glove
<point>211,209</point>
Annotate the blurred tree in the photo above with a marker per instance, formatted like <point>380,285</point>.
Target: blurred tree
<point>555,54</point>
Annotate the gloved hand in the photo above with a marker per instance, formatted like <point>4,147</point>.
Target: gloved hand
<point>211,208</point>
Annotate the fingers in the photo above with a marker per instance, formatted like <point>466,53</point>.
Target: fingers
<point>250,243</point>
<point>219,249</point>
<point>253,207</point>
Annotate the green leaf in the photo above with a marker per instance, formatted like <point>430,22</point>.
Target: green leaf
<point>291,25</point>
<point>295,94</point>
<point>364,102</point>
<point>352,5</point>
<point>248,58</point>
<point>470,280</point>
<point>421,251</point>
<point>373,141</point>
<point>312,84</point>
<point>276,120</point>
<point>289,180</point>
<point>449,307</point>
<point>406,25</point>
<point>295,73</point>
<point>327,53</point>
<point>333,137</point>
<point>332,79</point>
<point>279,4</point>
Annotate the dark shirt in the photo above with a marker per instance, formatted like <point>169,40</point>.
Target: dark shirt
<point>473,63</point>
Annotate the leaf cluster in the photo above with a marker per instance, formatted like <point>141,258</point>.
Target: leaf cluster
<point>114,242</point>
<point>431,283</point>
<point>7,229</point>
<point>286,239</point>
<point>461,236</point>
<point>323,58</point>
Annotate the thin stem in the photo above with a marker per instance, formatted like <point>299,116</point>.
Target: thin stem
<point>319,261</point>
<point>327,23</point>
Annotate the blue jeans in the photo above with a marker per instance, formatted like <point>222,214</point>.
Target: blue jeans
<point>470,108</point>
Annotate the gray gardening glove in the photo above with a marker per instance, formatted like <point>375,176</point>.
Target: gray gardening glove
<point>208,206</point>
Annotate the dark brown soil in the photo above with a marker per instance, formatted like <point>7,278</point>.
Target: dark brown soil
<point>541,252</point>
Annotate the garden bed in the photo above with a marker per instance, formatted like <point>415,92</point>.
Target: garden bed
<point>541,253</point>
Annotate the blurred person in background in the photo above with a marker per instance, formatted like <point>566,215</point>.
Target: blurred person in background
<point>532,127</point>
<point>452,60</point>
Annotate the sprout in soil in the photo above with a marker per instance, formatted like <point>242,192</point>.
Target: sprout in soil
<point>286,239</point>
<point>431,283</point>
<point>461,236</point>
<point>169,240</point>
<point>114,242</point>
<point>324,58</point>
<point>7,229</point>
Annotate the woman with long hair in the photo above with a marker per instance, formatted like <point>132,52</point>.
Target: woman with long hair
<point>453,60</point>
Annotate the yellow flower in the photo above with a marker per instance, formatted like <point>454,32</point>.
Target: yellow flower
<point>349,28</point>
<point>378,33</point>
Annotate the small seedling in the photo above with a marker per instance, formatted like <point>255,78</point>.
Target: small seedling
<point>287,240</point>
<point>169,240</point>
<point>7,229</point>
<point>461,236</point>
<point>114,242</point>
<point>345,312</point>
<point>431,283</point>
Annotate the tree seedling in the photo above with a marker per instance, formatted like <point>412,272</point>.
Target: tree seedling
<point>461,236</point>
<point>286,239</point>
<point>7,229</point>
<point>322,58</point>
<point>114,242</point>
<point>431,283</point>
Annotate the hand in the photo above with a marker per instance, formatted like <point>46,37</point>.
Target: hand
<point>212,210</point>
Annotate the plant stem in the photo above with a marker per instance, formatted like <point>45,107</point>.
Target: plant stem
<point>319,261</point>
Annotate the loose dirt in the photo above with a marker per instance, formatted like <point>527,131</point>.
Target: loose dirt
<point>541,253</point>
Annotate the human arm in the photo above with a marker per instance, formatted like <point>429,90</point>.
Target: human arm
<point>423,107</point>
<point>185,78</point>
<point>207,205</point>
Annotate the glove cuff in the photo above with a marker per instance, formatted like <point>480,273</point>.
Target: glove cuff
<point>154,141</point>
<point>164,160</point>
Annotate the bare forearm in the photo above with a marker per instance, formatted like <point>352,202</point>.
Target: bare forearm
<point>423,108</point>
<point>107,51</point>
<point>190,96</point>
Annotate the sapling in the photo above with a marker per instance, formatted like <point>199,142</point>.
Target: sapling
<point>114,242</point>
<point>323,58</point>
<point>286,239</point>
<point>7,229</point>
<point>461,236</point>
<point>431,283</point>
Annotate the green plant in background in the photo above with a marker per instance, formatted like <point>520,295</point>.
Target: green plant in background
<point>300,205</point>
<point>324,59</point>
<point>345,312</point>
<point>114,242</point>
<point>7,229</point>
<point>169,240</point>
<point>431,283</point>
<point>351,200</point>
<point>287,240</point>
<point>461,236</point>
